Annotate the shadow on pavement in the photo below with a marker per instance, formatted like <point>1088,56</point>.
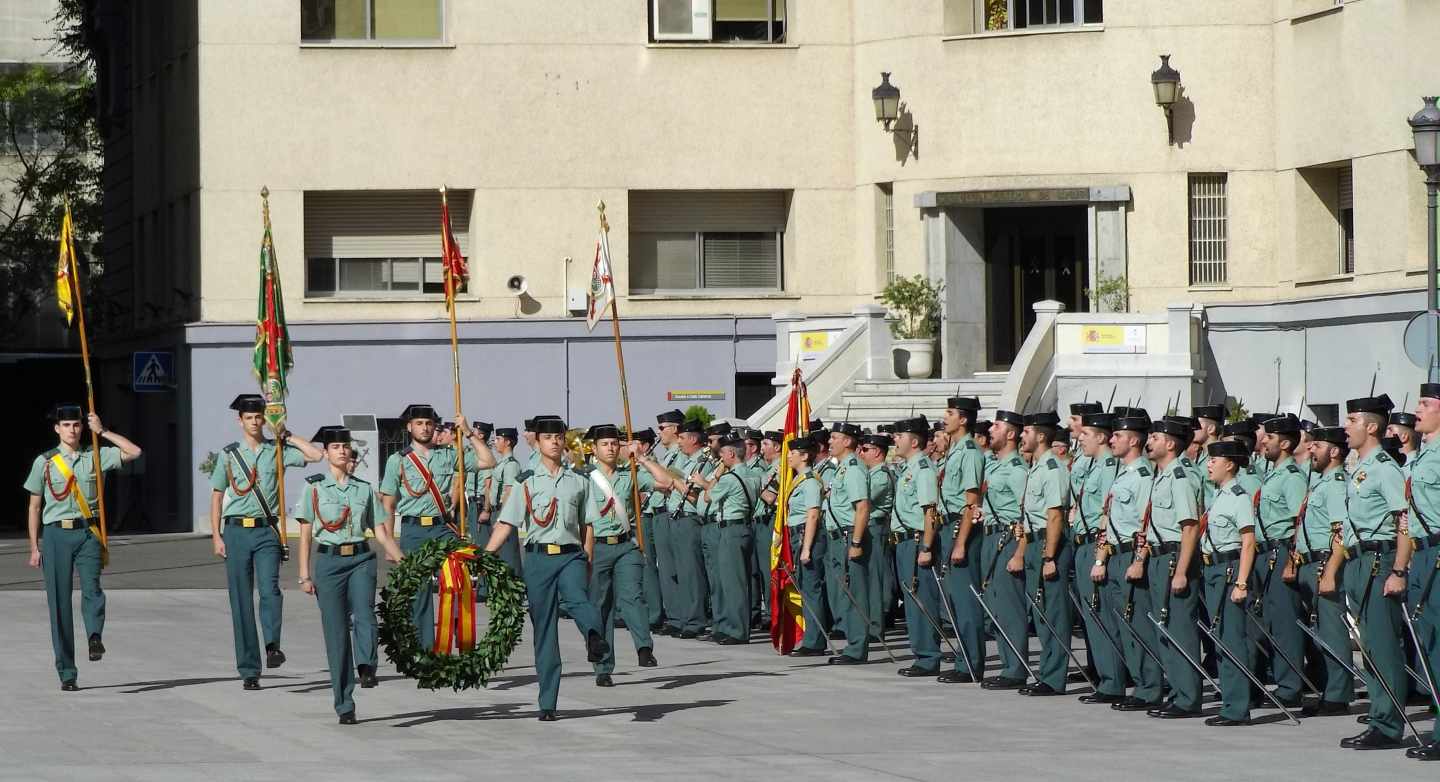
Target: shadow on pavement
<point>651,712</point>
<point>170,684</point>
<point>676,682</point>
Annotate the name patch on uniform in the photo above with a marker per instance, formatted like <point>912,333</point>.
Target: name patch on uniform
<point>1179,472</point>
<point>1052,464</point>
<point>1144,472</point>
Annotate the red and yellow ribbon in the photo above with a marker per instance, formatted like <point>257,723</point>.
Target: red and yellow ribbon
<point>457,604</point>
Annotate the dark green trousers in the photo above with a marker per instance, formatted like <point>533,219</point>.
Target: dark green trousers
<point>1228,623</point>
<point>64,553</point>
<point>879,576</point>
<point>764,531</point>
<point>663,534</point>
<point>1381,628</point>
<point>617,579</point>
<point>945,542</point>
<point>549,580</point>
<point>692,588</point>
<point>1280,607</point>
<point>509,552</point>
<point>919,588</point>
<point>1144,671</point>
<point>1054,599</point>
<point>1423,575</point>
<point>1109,665</point>
<point>1328,613</point>
<point>969,617</point>
<point>252,564</point>
<point>1006,597</point>
<point>812,587</point>
<point>1182,610</point>
<point>654,603</point>
<point>345,590</point>
<point>412,537</point>
<point>710,554</point>
<point>852,609</point>
<point>732,551</point>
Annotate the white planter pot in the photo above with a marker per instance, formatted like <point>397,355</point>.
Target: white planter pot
<point>914,358</point>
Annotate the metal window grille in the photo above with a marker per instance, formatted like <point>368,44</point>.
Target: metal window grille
<point>887,246</point>
<point>1345,187</point>
<point>1209,229</point>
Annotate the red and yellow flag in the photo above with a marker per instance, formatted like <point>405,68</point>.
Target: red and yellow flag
<point>787,619</point>
<point>64,282</point>
<point>455,611</point>
<point>456,272</point>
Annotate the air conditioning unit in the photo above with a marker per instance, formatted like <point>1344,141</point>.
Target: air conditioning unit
<point>682,20</point>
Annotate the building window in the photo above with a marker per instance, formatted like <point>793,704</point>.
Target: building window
<point>382,243</point>
<point>1029,14</point>
<point>1208,229</point>
<point>1345,215</point>
<point>710,240</point>
<point>372,20</point>
<point>718,21</point>
<point>885,221</point>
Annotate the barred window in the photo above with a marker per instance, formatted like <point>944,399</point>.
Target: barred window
<point>1345,195</point>
<point>1209,232</point>
<point>886,240</point>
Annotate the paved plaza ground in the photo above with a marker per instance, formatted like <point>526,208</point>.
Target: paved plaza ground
<point>165,704</point>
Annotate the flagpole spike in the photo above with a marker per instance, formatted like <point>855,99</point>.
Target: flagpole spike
<point>264,191</point>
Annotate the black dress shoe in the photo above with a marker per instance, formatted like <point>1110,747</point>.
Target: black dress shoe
<point>367,677</point>
<point>1297,702</point>
<point>805,651</point>
<point>603,680</point>
<point>547,715</point>
<point>845,659</point>
<point>666,630</point>
<point>688,634</point>
<point>1040,690</point>
<point>913,672</point>
<point>705,636</point>
<point>1371,739</point>
<point>657,627</point>
<point>955,677</point>
<point>837,635</point>
<point>1363,719</point>
<point>97,649</point>
<point>947,657</point>
<point>1325,709</point>
<point>646,657</point>
<point>274,658</point>
<point>1001,683</point>
<point>1172,712</point>
<point>69,685</point>
<point>1429,751</point>
<point>1225,722</point>
<point>348,718</point>
<point>1134,704</point>
<point>726,640</point>
<point>251,683</point>
<point>1100,697</point>
<point>595,647</point>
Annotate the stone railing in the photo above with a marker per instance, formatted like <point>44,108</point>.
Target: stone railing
<point>831,353</point>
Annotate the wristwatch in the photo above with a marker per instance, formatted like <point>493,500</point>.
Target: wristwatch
<point>303,581</point>
<point>1399,573</point>
<point>856,544</point>
<point>1047,560</point>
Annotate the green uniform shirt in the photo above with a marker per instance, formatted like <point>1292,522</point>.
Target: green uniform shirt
<point>1231,514</point>
<point>665,457</point>
<point>804,495</point>
<point>474,476</point>
<point>612,517</point>
<point>882,496</point>
<point>1208,489</point>
<point>238,483</point>
<point>963,470</point>
<point>1250,480</point>
<point>846,485</point>
<point>684,465</point>
<point>1079,468</point>
<point>769,474</point>
<point>47,483</point>
<point>732,498</point>
<point>1047,485</point>
<point>1172,501</point>
<point>551,508</point>
<point>1425,491</point>
<point>403,481</point>
<point>327,501</point>
<point>1377,494</point>
<point>505,473</point>
<point>1129,496</point>
<point>1192,471</point>
<point>1324,508</point>
<point>1281,492</point>
<point>1089,502</point>
<point>914,491</point>
<point>1004,489</point>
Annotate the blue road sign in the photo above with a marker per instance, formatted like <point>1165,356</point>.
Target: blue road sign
<point>152,371</point>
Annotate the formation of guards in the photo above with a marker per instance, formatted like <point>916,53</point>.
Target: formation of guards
<point>1256,556</point>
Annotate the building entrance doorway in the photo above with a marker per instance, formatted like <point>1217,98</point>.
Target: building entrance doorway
<point>1031,254</point>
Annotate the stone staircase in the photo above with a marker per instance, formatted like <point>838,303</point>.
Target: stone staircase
<point>873,402</point>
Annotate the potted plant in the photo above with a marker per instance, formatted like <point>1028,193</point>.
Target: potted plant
<point>916,303</point>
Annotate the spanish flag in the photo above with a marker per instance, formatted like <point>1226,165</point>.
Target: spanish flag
<point>456,271</point>
<point>787,620</point>
<point>65,269</point>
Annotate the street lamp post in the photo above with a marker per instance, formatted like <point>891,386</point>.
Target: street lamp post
<point>1425,126</point>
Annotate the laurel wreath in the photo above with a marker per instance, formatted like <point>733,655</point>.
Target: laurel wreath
<point>397,632</point>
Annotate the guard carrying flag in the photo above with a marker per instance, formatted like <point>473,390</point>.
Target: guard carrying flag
<point>787,624</point>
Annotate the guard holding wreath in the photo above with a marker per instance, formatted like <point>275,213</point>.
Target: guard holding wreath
<point>551,507</point>
<point>337,511</point>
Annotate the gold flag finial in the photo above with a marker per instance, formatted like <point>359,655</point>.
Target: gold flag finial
<point>604,224</point>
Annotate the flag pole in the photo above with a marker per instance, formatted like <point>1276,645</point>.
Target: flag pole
<point>69,239</point>
<point>450,292</point>
<point>274,401</point>
<point>624,399</point>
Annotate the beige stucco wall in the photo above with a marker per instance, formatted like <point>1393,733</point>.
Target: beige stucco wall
<point>544,112</point>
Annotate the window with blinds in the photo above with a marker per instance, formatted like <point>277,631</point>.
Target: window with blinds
<point>885,242</point>
<point>1209,231</point>
<point>372,20</point>
<point>712,240</point>
<point>379,242</point>
<point>1345,214</point>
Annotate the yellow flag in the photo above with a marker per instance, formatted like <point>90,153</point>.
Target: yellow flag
<point>64,293</point>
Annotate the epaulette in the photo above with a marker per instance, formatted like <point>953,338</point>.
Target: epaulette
<point>584,469</point>
<point>1293,468</point>
<point>1109,461</point>
<point>1382,457</point>
<point>1340,475</point>
<point>316,478</point>
<point>1052,464</point>
<point>1237,490</point>
<point>1179,472</point>
<point>50,454</point>
<point>235,444</point>
<point>359,480</point>
<point>971,445</point>
<point>524,475</point>
<point>406,450</point>
<point>1144,472</point>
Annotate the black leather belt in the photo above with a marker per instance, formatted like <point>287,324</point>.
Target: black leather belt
<point>612,540</point>
<point>552,548</point>
<point>1377,546</point>
<point>1124,547</point>
<point>343,549</point>
<point>424,521</point>
<point>250,522</point>
<point>1220,557</point>
<point>896,538</point>
<point>1084,539</point>
<point>995,529</point>
<point>1427,542</point>
<point>1313,556</point>
<point>74,523</point>
<point>1032,537</point>
<point>1162,549</point>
